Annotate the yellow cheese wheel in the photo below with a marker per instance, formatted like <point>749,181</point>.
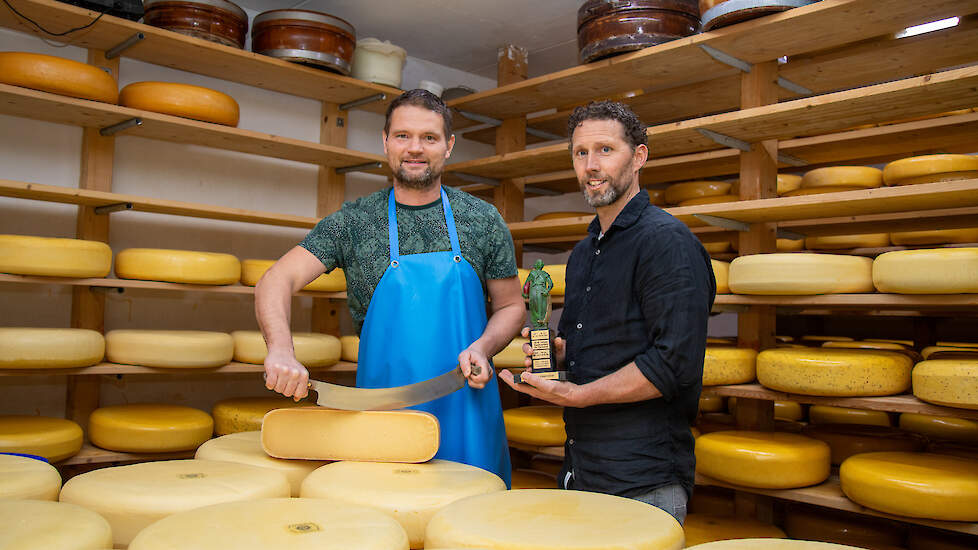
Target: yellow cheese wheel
<point>920,485</point>
<point>931,168</point>
<point>23,478</point>
<point>334,281</point>
<point>53,438</point>
<point>175,349</point>
<point>773,544</point>
<point>834,372</point>
<point>657,196</point>
<point>547,464</point>
<point>926,539</point>
<point>941,427</point>
<point>182,100</point>
<point>409,493</point>
<point>769,460</point>
<point>828,414</point>
<point>561,215</point>
<point>886,346</point>
<point>937,236</point>
<point>244,414</point>
<point>790,245</point>
<point>702,528</point>
<point>788,411</point>
<point>58,76</point>
<point>948,352</point>
<point>717,247</point>
<point>681,192</point>
<point>728,365</point>
<point>937,271</point>
<point>512,356</point>
<point>316,433</point>
<point>721,271</point>
<point>710,200</point>
<point>836,242</point>
<point>556,272</point>
<point>846,440</point>
<point>948,382</point>
<point>714,501</point>
<point>50,348</point>
<point>817,524</point>
<point>133,497</point>
<point>842,177</point>
<point>800,274</point>
<point>49,257</point>
<point>349,348</point>
<point>178,266</point>
<point>294,523</point>
<point>311,349</point>
<point>36,525</point>
<point>245,448</point>
<point>149,428</point>
<point>711,403</point>
<point>541,425</point>
<point>553,519</point>
<point>528,479</point>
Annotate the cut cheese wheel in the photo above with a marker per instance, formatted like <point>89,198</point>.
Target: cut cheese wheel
<point>349,348</point>
<point>834,372</point>
<point>842,177</point>
<point>182,100</point>
<point>541,425</point>
<point>941,427</point>
<point>827,414</point>
<point>837,242</point>
<point>409,493</point>
<point>527,479</point>
<point>948,352</point>
<point>245,448</point>
<point>178,266</point>
<point>556,272</point>
<point>678,193</point>
<point>560,520</point>
<point>710,200</point>
<point>717,247</point>
<point>58,76</point>
<point>294,523</point>
<point>512,356</point>
<point>938,236</point>
<point>930,169</point>
<point>702,528</point>
<point>316,433</point>
<point>149,428</point>
<point>948,382</point>
<point>23,478</point>
<point>711,403</point>
<point>790,245</point>
<point>53,438</point>
<point>547,464</point>
<point>657,196</point>
<point>800,274</point>
<point>311,349</point>
<point>721,271</point>
<point>846,440</point>
<point>50,348</point>
<point>244,414</point>
<point>48,257</point>
<point>809,523</point>
<point>769,460</point>
<point>937,271</point>
<point>133,497</point>
<point>713,501</point>
<point>728,365</point>
<point>37,525</point>
<point>926,539</point>
<point>920,485</point>
<point>175,349</point>
<point>788,411</point>
<point>773,544</point>
<point>561,215</point>
<point>334,281</point>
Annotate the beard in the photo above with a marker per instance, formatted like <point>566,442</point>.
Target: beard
<point>617,186</point>
<point>421,181</point>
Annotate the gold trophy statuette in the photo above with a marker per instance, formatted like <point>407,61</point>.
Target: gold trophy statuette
<point>537,289</point>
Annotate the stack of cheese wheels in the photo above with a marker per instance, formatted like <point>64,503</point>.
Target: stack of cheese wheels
<point>783,410</point>
<point>244,414</point>
<point>931,169</point>
<point>556,272</point>
<point>772,544</point>
<point>728,365</point>
<point>409,493</point>
<point>245,448</point>
<point>846,440</point>
<point>681,193</point>
<point>948,382</point>
<point>175,349</point>
<point>311,349</point>
<point>58,76</point>
<point>936,236</point>
<point>713,501</point>
<point>769,460</point>
<point>721,272</point>
<point>275,523</point>
<point>349,348</point>
<point>701,528</point>
<point>560,215</point>
<point>834,372</point>
<point>316,433</point>
<point>50,348</point>
<point>512,356</point>
<point>828,414</point>
<point>149,428</point>
<point>539,425</point>
<point>23,478</point>
<point>54,439</point>
<point>571,519</point>
<point>334,281</point>
<point>941,427</point>
<point>921,485</point>
<point>800,274</point>
<point>838,178</point>
<point>182,100</point>
<point>838,242</point>
<point>132,497</point>
<point>920,538</point>
<point>529,479</point>
<point>26,524</point>
<point>657,196</point>
<point>178,266</point>
<point>817,524</point>
<point>711,403</point>
<point>937,271</point>
<point>49,257</point>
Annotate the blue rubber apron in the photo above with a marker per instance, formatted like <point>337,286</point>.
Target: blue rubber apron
<point>426,309</point>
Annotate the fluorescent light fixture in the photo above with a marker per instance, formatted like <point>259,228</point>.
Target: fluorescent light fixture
<point>929,27</point>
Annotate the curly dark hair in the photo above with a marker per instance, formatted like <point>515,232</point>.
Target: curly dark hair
<point>610,110</point>
<point>426,100</point>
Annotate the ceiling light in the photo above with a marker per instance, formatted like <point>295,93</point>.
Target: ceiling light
<point>929,27</point>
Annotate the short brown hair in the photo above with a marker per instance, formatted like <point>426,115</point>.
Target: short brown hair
<point>426,100</point>
<point>610,110</point>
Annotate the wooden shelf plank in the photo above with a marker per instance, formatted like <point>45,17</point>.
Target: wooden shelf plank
<point>170,49</point>
<point>860,301</point>
<point>34,104</point>
<point>115,368</point>
<point>90,454</point>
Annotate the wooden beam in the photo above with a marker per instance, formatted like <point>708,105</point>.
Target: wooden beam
<point>329,198</point>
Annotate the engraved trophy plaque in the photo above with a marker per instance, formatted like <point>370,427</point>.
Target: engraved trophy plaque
<point>537,290</point>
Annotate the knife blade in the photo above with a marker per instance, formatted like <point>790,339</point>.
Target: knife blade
<point>385,399</point>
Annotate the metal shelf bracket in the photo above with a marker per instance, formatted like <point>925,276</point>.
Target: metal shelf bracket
<point>116,51</point>
<point>124,125</point>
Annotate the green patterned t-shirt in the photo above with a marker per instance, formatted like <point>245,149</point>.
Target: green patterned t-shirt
<point>355,239</point>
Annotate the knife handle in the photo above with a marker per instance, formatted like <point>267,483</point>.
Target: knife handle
<point>476,370</point>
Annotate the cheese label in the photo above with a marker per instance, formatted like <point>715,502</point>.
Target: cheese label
<point>303,528</point>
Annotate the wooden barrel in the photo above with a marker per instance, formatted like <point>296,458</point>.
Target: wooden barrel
<point>215,20</point>
<point>720,13</point>
<point>304,36</point>
<point>610,28</point>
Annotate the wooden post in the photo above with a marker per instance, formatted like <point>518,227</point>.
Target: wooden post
<point>511,137</point>
<point>329,199</point>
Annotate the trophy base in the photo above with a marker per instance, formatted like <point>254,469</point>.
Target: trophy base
<point>558,375</point>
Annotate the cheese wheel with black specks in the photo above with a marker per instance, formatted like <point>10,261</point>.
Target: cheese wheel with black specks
<point>50,348</point>
<point>947,382</point>
<point>334,281</point>
<point>721,271</point>
<point>927,271</point>
<point>828,414</point>
<point>177,266</point>
<point>23,478</point>
<point>768,460</point>
<point>931,169</point>
<point>54,257</point>
<point>312,349</point>
<point>834,372</point>
<point>702,528</point>
<point>244,414</point>
<point>847,440</point>
<point>58,76</point>
<point>556,272</point>
<point>941,427</point>
<point>678,193</point>
<point>149,428</point>
<point>937,236</point>
<point>182,100</point>
<point>37,525</point>
<point>541,425</point>
<point>173,349</point>
<point>245,448</point>
<point>512,356</point>
<point>349,348</point>
<point>842,177</point>
<point>53,438</point>
<point>723,365</point>
<point>800,274</point>
<point>838,242</point>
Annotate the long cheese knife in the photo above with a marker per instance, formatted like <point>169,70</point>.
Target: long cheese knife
<point>384,399</point>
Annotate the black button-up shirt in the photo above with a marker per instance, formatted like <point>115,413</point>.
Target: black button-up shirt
<point>641,293</point>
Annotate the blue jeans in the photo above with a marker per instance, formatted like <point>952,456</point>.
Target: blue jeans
<point>671,498</point>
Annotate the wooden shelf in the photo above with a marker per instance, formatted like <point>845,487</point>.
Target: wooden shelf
<point>115,368</point>
<point>90,454</point>
<point>152,285</point>
<point>859,301</point>
<point>34,104</point>
<point>170,49</point>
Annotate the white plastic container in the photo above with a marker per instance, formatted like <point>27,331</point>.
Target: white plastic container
<point>379,62</point>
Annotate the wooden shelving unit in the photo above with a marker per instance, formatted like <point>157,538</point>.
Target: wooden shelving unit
<point>153,285</point>
<point>115,368</point>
